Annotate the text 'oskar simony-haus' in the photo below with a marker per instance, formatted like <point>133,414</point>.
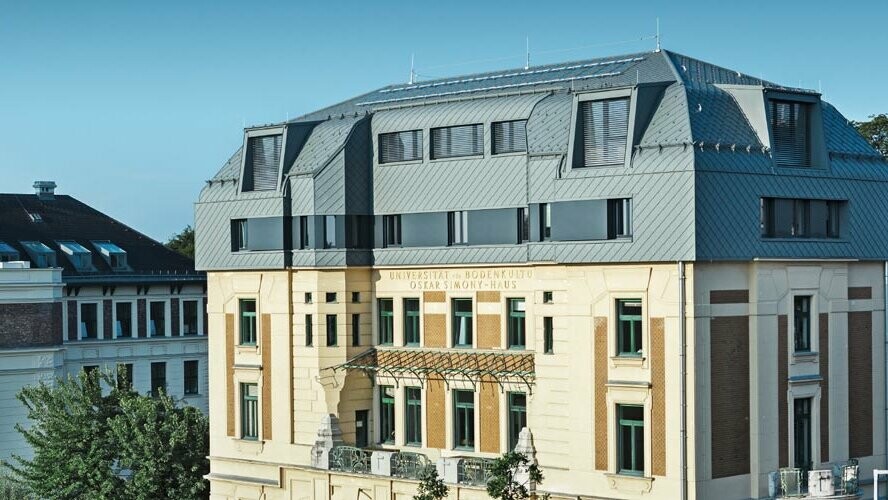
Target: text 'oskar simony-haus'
<point>668,272</point>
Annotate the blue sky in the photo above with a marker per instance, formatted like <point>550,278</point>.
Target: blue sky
<point>131,106</point>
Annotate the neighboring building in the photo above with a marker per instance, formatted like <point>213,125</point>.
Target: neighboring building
<point>668,272</point>
<point>80,290</point>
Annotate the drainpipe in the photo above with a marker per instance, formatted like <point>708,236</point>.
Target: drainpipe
<point>884,330</point>
<point>682,391</point>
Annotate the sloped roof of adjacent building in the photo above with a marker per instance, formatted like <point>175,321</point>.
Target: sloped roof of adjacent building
<point>65,218</point>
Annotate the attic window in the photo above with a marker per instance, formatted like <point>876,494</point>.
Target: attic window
<point>790,129</point>
<point>80,257</point>
<point>40,254</point>
<point>602,131</point>
<point>263,162</point>
<point>400,146</point>
<point>35,217</point>
<point>510,137</point>
<point>463,140</point>
<point>7,253</point>
<point>113,255</point>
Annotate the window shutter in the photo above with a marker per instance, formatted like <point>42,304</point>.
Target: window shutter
<point>510,137</point>
<point>463,140</point>
<point>400,146</point>
<point>605,127</point>
<point>789,126</point>
<point>265,158</point>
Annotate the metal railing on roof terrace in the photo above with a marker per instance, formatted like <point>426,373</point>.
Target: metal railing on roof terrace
<point>409,465</point>
<point>350,459</point>
<point>840,481</point>
<point>473,471</point>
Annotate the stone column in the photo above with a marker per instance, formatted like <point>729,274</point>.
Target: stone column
<point>329,436</point>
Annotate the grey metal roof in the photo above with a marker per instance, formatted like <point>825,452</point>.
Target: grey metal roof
<point>326,139</point>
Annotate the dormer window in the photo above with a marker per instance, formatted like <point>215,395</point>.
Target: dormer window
<point>40,254</point>
<point>602,133</point>
<point>790,128</point>
<point>262,163</point>
<point>7,253</point>
<point>462,140</point>
<point>35,217</point>
<point>80,257</point>
<point>114,256</point>
<point>400,146</point>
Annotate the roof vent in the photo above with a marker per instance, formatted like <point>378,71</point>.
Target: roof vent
<point>45,189</point>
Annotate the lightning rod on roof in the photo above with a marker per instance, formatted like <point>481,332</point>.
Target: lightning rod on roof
<point>412,72</point>
<point>658,34</point>
<point>527,53</point>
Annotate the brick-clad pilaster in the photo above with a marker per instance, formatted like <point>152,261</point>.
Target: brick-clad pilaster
<point>782,388</point>
<point>435,414</point>
<point>107,319</point>
<point>490,421</point>
<point>174,317</point>
<point>142,318</point>
<point>434,330</point>
<point>658,396</point>
<point>229,372</point>
<point>860,384</point>
<point>265,347</point>
<point>72,320</point>
<point>489,331</point>
<point>823,323</point>
<point>729,395</point>
<point>600,400</point>
<point>729,296</point>
<point>488,296</point>
<point>433,296</point>
<point>31,324</point>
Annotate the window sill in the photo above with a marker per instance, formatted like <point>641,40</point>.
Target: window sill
<point>630,483</point>
<point>418,161</point>
<point>630,361</point>
<point>456,158</point>
<point>805,357</point>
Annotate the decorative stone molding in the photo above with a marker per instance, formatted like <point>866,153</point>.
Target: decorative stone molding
<point>631,484</point>
<point>526,448</point>
<point>329,435</point>
<point>381,463</point>
<point>448,469</point>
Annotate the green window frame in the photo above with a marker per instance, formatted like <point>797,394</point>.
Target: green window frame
<point>464,420</point>
<point>630,440</point>
<point>548,335</point>
<point>247,308</point>
<point>411,322</point>
<point>309,332</point>
<point>802,323</point>
<point>356,329</point>
<point>386,414</point>
<point>802,427</point>
<point>386,321</point>
<point>629,330</point>
<point>413,417</point>
<point>331,330</point>
<point>517,328</point>
<point>517,416</point>
<point>461,322</point>
<point>249,411</point>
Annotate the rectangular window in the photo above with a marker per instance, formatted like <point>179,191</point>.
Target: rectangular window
<point>545,222</point>
<point>517,333</point>
<point>630,440</point>
<point>309,334</point>
<point>790,130</point>
<point>411,322</point>
<point>547,297</point>
<point>400,146</point>
<point>461,140</point>
<point>356,297</point>
<point>89,323</point>
<point>386,414</point>
<point>304,241</point>
<point>189,317</point>
<point>157,319</point>
<point>800,218</point>
<point>802,433</point>
<point>464,420</point>
<point>629,327</point>
<point>413,418</point>
<point>158,377</point>
<point>461,321</point>
<point>308,298</point>
<point>238,235</point>
<point>523,225</point>
<point>329,231</point>
<point>603,127</point>
<point>517,416</point>
<point>619,218</point>
<point>249,411</point>
<point>458,228</point>
<point>391,231</point>
<point>509,137</point>
<point>123,321</point>
<point>330,297</point>
<point>386,321</point>
<point>548,336</point>
<point>263,162</point>
<point>247,322</point>
<point>124,376</point>
<point>802,319</point>
<point>191,378</point>
<point>331,330</point>
<point>356,329</point>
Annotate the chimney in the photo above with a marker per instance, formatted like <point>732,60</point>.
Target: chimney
<point>45,190</point>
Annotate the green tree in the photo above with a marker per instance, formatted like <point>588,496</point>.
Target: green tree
<point>504,481</point>
<point>431,487</point>
<point>183,242</point>
<point>875,131</point>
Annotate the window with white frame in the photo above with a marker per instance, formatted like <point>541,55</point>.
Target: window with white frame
<point>89,320</point>
<point>157,324</point>
<point>123,320</point>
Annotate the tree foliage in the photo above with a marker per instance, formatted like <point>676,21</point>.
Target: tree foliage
<point>503,483</point>
<point>92,439</point>
<point>431,487</point>
<point>183,242</point>
<point>876,132</point>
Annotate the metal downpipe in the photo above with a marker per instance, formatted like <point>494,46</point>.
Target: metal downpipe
<point>682,340</point>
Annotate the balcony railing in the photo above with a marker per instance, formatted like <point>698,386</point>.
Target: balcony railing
<point>473,471</point>
<point>350,459</point>
<point>409,465</point>
<point>839,481</point>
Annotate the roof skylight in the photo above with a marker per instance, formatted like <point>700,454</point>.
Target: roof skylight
<point>40,254</point>
<point>113,254</point>
<point>7,253</point>
<point>79,256</point>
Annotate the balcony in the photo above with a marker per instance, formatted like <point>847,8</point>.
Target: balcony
<point>466,471</point>
<point>472,471</point>
<point>840,481</point>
